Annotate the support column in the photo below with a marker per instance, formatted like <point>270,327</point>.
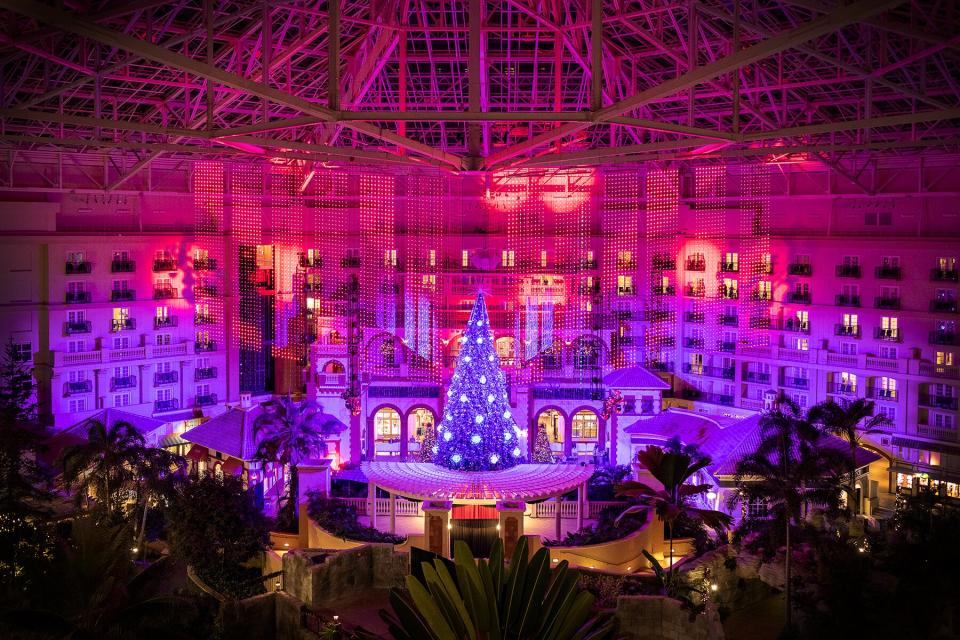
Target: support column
<point>393,513</point>
<point>581,505</point>
<point>559,500</point>
<point>510,524</point>
<point>436,526</point>
<point>613,438</point>
<point>371,440</point>
<point>312,475</point>
<point>372,504</point>
<point>567,436</point>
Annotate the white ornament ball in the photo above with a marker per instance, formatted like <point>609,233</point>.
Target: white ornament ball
<point>448,435</point>
<point>516,452</point>
<point>449,392</point>
<point>467,358</point>
<point>507,415</point>
<point>478,419</point>
<point>490,357</point>
<point>463,397</point>
<point>479,323</point>
<point>507,436</point>
<point>475,439</point>
<point>435,449</point>
<point>479,340</point>
<point>483,379</point>
<point>494,458</point>
<point>447,416</point>
<point>456,458</point>
<point>490,398</point>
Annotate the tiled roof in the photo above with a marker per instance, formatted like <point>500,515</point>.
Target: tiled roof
<point>111,416</point>
<point>634,378</point>
<point>230,432</point>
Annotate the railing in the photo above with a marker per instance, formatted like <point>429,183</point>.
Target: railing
<point>693,343</point>
<point>796,326</point>
<point>204,373</point>
<point>67,359</point>
<point>308,262</point>
<point>796,383</point>
<point>848,271</point>
<point>205,264</point>
<point>761,294</point>
<point>79,297</point>
<point>848,330</point>
<point>662,263</point>
<point>123,266</point>
<point>938,402</point>
<point>729,294</point>
<point>799,297</point>
<point>165,264</point>
<point>72,268</point>
<point>131,353</point>
<point>943,306</point>
<point>164,293</point>
<point>694,316</point>
<point>170,350</point>
<point>888,273</point>
<point>122,294</point>
<point>795,355</point>
<point>403,507</point>
<point>127,324</point>
<point>657,365</point>
<point>78,326</point>
<point>123,382</point>
<point>625,291</point>
<point>568,509</point>
<point>696,265</point>
<point>205,290</point>
<point>717,398</point>
<point>165,322</point>
<point>206,400</point>
<point>938,433</point>
<point>659,315</point>
<point>200,319</point>
<point>757,376</point>
<point>943,275</point>
<point>166,405</point>
<point>842,300</point>
<point>728,320</point>
<point>882,394</point>
<point>885,364</point>
<point>695,292</point>
<point>203,347</point>
<point>728,267</point>
<point>331,379</point>
<point>760,322</point>
<point>726,347</point>
<point>165,377</point>
<point>887,335</point>
<point>843,359</point>
<point>799,269</point>
<point>932,370</point>
<point>942,337</point>
<point>881,302</point>
<point>727,373</point>
<point>77,386</point>
<point>350,263</point>
<point>842,389</point>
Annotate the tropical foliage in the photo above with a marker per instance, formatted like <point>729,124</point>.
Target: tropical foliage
<point>609,526</point>
<point>340,519</point>
<point>483,600</point>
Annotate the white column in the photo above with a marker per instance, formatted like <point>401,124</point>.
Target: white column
<point>581,504</point>
<point>393,513</point>
<point>372,504</point>
<point>559,500</point>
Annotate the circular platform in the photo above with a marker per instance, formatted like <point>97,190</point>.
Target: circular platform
<point>426,481</point>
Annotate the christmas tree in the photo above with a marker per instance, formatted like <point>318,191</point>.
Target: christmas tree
<point>541,448</point>
<point>477,432</point>
<point>428,444</point>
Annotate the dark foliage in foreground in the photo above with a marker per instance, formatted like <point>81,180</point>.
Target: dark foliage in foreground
<point>340,519</point>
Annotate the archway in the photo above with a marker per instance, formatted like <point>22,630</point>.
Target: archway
<point>585,432</point>
<point>386,432</point>
<point>554,423</point>
<point>334,367</point>
<point>420,420</point>
<point>506,346</point>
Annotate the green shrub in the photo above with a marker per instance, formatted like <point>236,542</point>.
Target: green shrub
<point>340,519</point>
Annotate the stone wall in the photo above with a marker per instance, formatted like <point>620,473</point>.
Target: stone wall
<point>265,617</point>
<point>325,577</point>
<point>661,618</point>
<point>742,578</point>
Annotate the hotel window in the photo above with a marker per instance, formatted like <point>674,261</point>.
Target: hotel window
<point>696,363</point>
<point>76,406</point>
<point>76,257</point>
<point>887,411</point>
<point>589,258</point>
<point>625,259</point>
<point>889,327</point>
<point>802,259</point>
<point>624,285</point>
<point>121,343</point>
<point>199,255</point>
<point>946,264</point>
<point>121,399</point>
<point>850,322</point>
<point>433,257</point>
<point>76,289</point>
<point>390,258</point>
<point>766,263</point>
<point>164,367</point>
<point>946,295</point>
<point>202,390</point>
<point>464,258</point>
<point>764,289</point>
<point>507,258</point>
<point>164,395</point>
<point>729,289</point>
<point>584,425</point>
<point>121,285</point>
<point>944,359</point>
<point>848,348</point>
<point>162,314</point>
<point>756,509</point>
<point>848,382</point>
<point>888,352</point>
<point>944,421</point>
<point>731,261</point>
<point>803,320</point>
<point>163,339</point>
<point>543,258</point>
<point>76,346</point>
<point>121,256</point>
<point>429,280</point>
<point>386,424</point>
<point>851,261</point>
<point>801,344</point>
<point>264,255</point>
<point>887,388</point>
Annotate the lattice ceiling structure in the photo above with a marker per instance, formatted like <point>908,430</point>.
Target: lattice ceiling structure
<point>477,85</point>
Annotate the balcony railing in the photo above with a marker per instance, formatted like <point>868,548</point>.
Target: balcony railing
<point>166,405</point>
<point>206,400</point>
<point>120,295</point>
<point>942,337</point>
<point>165,322</point>
<point>726,347</point>
<point>694,292</point>
<point>888,302</point>
<point>760,377</point>
<point>842,389</point>
<point>123,266</point>
<point>799,269</point>
<point>938,402</point>
<point>204,373</point>
<point>78,297</point>
<point>799,297</point>
<point>693,343</point>
<point>887,335</point>
<point>201,319</point>
<point>663,263</point>
<point>165,264</point>
<point>728,267</point>
<point>847,330</point>
<point>663,290</point>
<point>308,262</point>
<point>657,365</point>
<point>943,305</point>
<point>77,386</point>
<point>694,316</point>
<point>888,273</point>
<point>695,264</point>
<point>165,377</point>
<point>796,383</point>
<point>164,293</point>
<point>938,433</point>
<point>73,268</point>
<point>842,300</point>
<point>760,322</point>
<point>729,293</point>
<point>205,264</point>
<point>943,275</point>
<point>118,383</point>
<point>727,320</point>
<point>127,324</point>
<point>204,346</point>
<point>625,291</point>
<point>882,394</point>
<point>764,268</point>
<point>77,327</point>
<point>796,326</point>
<point>848,271</point>
<point>717,398</point>
<point>350,263</point>
<point>205,290</point>
<point>658,315</point>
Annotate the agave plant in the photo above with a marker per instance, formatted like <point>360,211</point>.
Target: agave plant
<point>481,600</point>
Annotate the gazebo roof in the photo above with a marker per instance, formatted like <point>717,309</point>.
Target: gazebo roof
<point>426,481</point>
<point>634,378</point>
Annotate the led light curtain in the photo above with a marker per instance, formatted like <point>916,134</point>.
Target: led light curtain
<point>253,275</point>
<point>755,234</point>
<point>208,281</point>
<point>286,214</point>
<point>379,285</point>
<point>620,214</point>
<point>421,259</point>
<point>660,230</point>
<point>710,190</point>
<point>332,208</point>
<point>571,215</point>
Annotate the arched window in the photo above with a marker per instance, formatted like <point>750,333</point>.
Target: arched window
<point>386,425</point>
<point>585,425</point>
<point>418,422</point>
<point>334,366</point>
<point>505,351</point>
<point>551,421</point>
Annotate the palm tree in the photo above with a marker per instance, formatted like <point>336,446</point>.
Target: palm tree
<point>789,470</point>
<point>289,432</point>
<point>850,422</point>
<point>673,468</point>
<point>157,471</point>
<point>105,464</point>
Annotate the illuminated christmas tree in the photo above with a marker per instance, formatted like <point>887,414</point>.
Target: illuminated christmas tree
<point>541,447</point>
<point>477,432</point>
<point>428,444</point>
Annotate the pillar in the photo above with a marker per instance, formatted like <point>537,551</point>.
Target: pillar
<point>559,500</point>
<point>510,514</point>
<point>581,504</point>
<point>355,426</point>
<point>371,440</point>
<point>372,504</point>
<point>312,475</point>
<point>613,438</point>
<point>393,513</point>
<point>436,526</point>
<point>567,436</point>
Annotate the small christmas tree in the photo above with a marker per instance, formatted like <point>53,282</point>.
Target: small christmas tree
<point>541,448</point>
<point>428,444</point>
<point>477,432</point>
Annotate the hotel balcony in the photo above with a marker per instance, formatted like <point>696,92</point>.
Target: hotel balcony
<point>796,383</point>
<point>716,398</point>
<point>760,295</point>
<point>695,265</point>
<point>693,343</point>
<point>728,267</point>
<point>205,264</point>
<point>204,347</point>
<point>123,382</point>
<point>659,315</point>
<point>122,295</point>
<point>123,266</point>
<point>127,324</point>
<point>74,268</point>
<point>165,293</point>
<point>694,316</point>
<point>308,262</point>
<point>588,264</point>
<point>889,395</point>
<point>77,327</point>
<point>846,330</point>
<point>886,303</point>
<point>626,264</point>
<point>799,297</point>
<point>728,320</point>
<point>799,269</point>
<point>729,294</point>
<point>888,273</point>
<point>663,290</point>
<point>727,373</point>
<point>350,263</point>
<point>663,263</point>
<point>166,322</point>
<point>694,292</point>
<point>165,264</point>
<point>942,337</point>
<point>657,365</point>
<point>764,268</point>
<point>205,290</point>
<point>78,386</point>
<point>759,377</point>
<point>79,297</point>
<point>165,377</point>
<point>166,405</point>
<point>201,319</point>
<point>948,403</point>
<point>842,389</point>
<point>206,400</point>
<point>932,370</point>
<point>842,300</point>
<point>943,305</point>
<point>943,275</point>
<point>204,373</point>
<point>760,322</point>
<point>848,271</point>
<point>312,287</point>
<point>796,326</point>
<point>887,335</point>
<point>726,347</point>
<point>625,291</point>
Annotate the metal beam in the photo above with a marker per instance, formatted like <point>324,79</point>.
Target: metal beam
<point>153,155</point>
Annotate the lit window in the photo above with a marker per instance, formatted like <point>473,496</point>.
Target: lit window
<point>433,257</point>
<point>465,258</point>
<point>624,285</point>
<point>848,382</point>
<point>585,425</point>
<point>801,344</point>
<point>386,425</point>
<point>543,258</point>
<point>625,259</point>
<point>507,258</point>
<point>850,320</point>
<point>390,258</point>
<point>944,359</point>
<point>264,256</point>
